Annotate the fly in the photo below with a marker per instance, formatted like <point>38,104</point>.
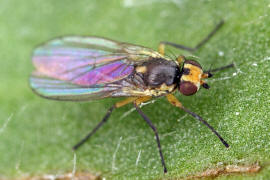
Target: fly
<point>76,68</point>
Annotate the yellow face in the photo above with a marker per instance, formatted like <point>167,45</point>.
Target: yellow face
<point>192,74</point>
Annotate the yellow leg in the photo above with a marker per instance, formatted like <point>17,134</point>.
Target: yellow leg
<point>174,101</point>
<point>126,101</point>
<point>137,100</point>
<point>142,99</point>
<point>161,49</point>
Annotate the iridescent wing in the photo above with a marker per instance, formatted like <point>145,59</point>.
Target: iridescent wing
<point>85,68</point>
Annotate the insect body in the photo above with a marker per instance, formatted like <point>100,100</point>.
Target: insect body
<point>85,68</point>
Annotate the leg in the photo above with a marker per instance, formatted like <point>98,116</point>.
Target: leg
<point>140,100</point>
<point>106,117</point>
<point>156,134</point>
<point>161,48</point>
<point>208,74</point>
<point>221,68</point>
<point>176,103</point>
<point>200,44</point>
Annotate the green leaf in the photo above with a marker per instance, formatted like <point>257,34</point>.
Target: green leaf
<point>36,135</point>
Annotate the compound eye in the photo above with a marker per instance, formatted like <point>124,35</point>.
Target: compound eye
<point>187,88</point>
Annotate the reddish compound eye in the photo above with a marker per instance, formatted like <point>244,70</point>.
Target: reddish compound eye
<point>187,88</point>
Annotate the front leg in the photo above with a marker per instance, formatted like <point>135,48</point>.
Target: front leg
<point>174,101</point>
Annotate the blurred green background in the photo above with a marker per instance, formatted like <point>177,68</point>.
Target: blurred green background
<point>36,135</point>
